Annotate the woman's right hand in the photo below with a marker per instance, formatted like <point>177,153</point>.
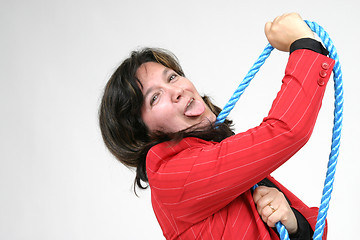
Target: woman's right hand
<point>286,29</point>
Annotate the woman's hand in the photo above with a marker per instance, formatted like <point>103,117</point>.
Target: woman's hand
<point>285,29</point>
<point>273,207</point>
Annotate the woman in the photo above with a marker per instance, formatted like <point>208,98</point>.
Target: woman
<point>152,118</point>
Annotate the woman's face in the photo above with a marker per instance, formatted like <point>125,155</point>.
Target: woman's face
<point>171,102</point>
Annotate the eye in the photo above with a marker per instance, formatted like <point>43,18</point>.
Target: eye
<point>172,77</point>
<point>154,98</point>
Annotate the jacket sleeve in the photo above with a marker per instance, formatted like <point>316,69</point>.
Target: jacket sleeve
<point>195,178</point>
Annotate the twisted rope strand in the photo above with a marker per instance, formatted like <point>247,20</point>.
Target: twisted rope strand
<point>244,84</point>
<point>338,116</point>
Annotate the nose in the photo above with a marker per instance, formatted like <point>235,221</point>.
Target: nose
<point>176,93</point>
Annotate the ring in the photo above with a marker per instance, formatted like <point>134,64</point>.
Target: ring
<point>271,207</point>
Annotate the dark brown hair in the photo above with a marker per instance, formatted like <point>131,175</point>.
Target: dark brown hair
<point>124,132</point>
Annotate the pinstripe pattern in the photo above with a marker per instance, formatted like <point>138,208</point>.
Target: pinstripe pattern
<point>200,189</point>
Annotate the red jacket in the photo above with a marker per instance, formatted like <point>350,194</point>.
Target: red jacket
<point>201,189</point>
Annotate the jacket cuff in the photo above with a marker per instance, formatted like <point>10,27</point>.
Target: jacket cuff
<point>304,231</point>
<point>310,44</point>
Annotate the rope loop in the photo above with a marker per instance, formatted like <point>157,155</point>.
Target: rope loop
<point>336,133</point>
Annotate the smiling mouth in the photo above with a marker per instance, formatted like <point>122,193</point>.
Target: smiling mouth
<point>194,108</point>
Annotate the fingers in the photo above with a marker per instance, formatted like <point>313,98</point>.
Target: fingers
<point>268,201</point>
<point>269,214</point>
<point>259,192</point>
<point>273,213</point>
<point>273,207</point>
<point>279,215</point>
<point>285,29</point>
<point>278,21</point>
<point>263,196</point>
<point>267,28</point>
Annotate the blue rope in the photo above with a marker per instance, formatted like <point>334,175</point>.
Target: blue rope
<point>338,116</point>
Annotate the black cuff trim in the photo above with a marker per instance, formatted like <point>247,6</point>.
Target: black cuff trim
<point>310,44</point>
<point>304,231</point>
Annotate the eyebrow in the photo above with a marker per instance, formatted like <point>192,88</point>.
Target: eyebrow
<point>150,89</point>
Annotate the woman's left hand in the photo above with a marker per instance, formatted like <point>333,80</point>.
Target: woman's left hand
<point>273,207</point>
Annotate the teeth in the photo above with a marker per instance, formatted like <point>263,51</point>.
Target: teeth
<point>190,103</point>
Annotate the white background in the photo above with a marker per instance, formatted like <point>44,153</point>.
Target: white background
<point>58,181</point>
